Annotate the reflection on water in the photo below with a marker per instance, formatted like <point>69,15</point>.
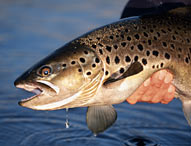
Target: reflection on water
<point>29,30</point>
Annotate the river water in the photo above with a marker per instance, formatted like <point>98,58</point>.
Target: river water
<point>29,30</point>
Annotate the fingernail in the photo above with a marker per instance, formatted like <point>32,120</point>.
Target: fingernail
<point>170,89</point>
<point>161,75</point>
<point>168,78</point>
<point>147,82</point>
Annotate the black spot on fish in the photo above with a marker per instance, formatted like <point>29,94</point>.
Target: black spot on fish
<point>117,60</point>
<point>117,36</point>
<point>153,66</point>
<point>164,44</point>
<point>149,42</point>
<point>155,53</point>
<point>137,36</point>
<point>94,46</point>
<point>64,65</point>
<point>147,52</point>
<point>73,62</point>
<point>123,44</point>
<point>115,47</point>
<point>106,72</point>
<point>188,40</point>
<point>187,60</point>
<point>144,61</point>
<point>172,46</point>
<point>82,60</point>
<point>180,49</point>
<point>151,30</point>
<point>108,48</point>
<point>190,50</point>
<point>167,56</point>
<point>169,29</point>
<point>127,59</point>
<point>158,33</point>
<point>108,60</point>
<point>93,65</point>
<point>143,27</point>
<point>97,60</point>
<point>157,66</point>
<point>111,37</point>
<point>155,38</point>
<point>122,36</point>
<point>136,58</point>
<point>88,73</point>
<point>126,30</point>
<point>175,32</point>
<point>121,70</point>
<point>129,38</point>
<point>86,52</point>
<point>163,31</point>
<point>145,34</point>
<point>79,70</point>
<point>100,51</point>
<point>98,38</point>
<point>179,56</point>
<point>132,47</point>
<point>161,65</point>
<point>140,47</point>
<point>173,37</point>
<point>101,45</point>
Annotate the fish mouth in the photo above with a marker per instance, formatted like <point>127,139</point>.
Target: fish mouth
<point>39,88</point>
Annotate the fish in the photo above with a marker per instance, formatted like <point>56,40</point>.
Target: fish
<point>105,66</point>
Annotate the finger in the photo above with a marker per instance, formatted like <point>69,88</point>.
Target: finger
<point>170,96</point>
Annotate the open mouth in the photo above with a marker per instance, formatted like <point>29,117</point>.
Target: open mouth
<point>37,90</point>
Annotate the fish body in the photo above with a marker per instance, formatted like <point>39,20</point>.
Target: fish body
<point>105,66</point>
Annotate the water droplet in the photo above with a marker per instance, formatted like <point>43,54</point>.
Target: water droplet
<point>67,121</point>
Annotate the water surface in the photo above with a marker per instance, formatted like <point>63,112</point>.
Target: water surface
<point>29,30</point>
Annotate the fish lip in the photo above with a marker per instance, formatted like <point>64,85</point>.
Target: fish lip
<point>34,88</point>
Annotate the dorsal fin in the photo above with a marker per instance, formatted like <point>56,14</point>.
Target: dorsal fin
<point>133,69</point>
<point>144,7</point>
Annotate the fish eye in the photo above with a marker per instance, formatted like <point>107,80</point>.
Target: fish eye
<point>45,71</point>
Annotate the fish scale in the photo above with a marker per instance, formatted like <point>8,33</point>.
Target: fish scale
<point>107,65</point>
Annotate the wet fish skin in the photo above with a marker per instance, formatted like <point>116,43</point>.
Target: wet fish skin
<point>105,66</point>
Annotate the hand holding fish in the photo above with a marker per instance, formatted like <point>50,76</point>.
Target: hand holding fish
<point>155,89</point>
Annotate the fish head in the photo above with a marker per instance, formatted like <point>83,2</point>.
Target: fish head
<point>63,79</point>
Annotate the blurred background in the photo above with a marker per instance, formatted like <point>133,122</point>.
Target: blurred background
<point>29,31</point>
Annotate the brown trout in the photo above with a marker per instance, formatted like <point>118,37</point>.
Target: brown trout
<point>105,66</point>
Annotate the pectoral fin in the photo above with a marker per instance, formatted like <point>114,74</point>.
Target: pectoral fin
<point>99,118</point>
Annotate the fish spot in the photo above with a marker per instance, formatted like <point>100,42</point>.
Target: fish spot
<point>111,37</point>
<point>117,36</point>
<point>88,73</point>
<point>180,49</point>
<point>73,62</point>
<point>162,64</point>
<point>145,34</point>
<point>136,36</point>
<point>136,58</point>
<point>151,30</point>
<point>155,38</point>
<point>153,66</point>
<point>149,42</point>
<point>127,59</point>
<point>79,70</point>
<point>98,38</point>
<point>155,53</point>
<point>158,33</point>
<point>115,47</point>
<point>175,32</point>
<point>172,46</point>
<point>129,38</point>
<point>187,60</point>
<point>82,60</point>
<point>101,45</point>
<point>143,27</point>
<point>167,56</point>
<point>190,50</point>
<point>100,51</point>
<point>121,70</point>
<point>97,60</point>
<point>144,61</point>
<point>94,46</point>
<point>140,47</point>
<point>93,65</point>
<point>106,72</point>
<point>179,56</point>
<point>164,44</point>
<point>117,60</point>
<point>132,47</point>
<point>147,52</point>
<point>122,36</point>
<point>163,31</point>
<point>123,44</point>
<point>108,60</point>
<point>108,48</point>
<point>126,30</point>
<point>169,29</point>
<point>188,40</point>
<point>173,37</point>
<point>86,52</point>
<point>64,65</point>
